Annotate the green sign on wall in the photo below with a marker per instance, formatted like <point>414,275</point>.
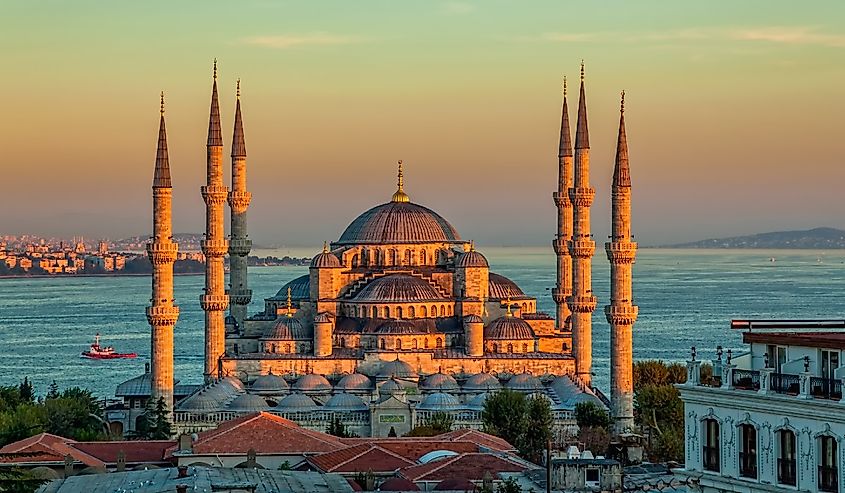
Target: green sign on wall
<point>391,418</point>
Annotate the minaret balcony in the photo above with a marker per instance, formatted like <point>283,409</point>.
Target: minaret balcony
<point>214,194</point>
<point>582,248</point>
<point>562,200</point>
<point>214,302</point>
<point>214,248</point>
<point>239,200</point>
<point>582,196</point>
<point>560,246</point>
<point>162,316</point>
<point>240,246</point>
<point>621,314</point>
<point>240,296</point>
<point>162,252</point>
<point>582,304</point>
<point>560,295</point>
<point>621,252</point>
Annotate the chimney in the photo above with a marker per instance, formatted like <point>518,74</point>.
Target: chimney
<point>121,461</point>
<point>68,465</point>
<point>146,367</point>
<point>181,488</point>
<point>186,443</point>
<point>182,472</point>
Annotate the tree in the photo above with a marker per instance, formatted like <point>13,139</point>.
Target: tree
<point>658,407</point>
<point>338,429</point>
<point>53,390</point>
<point>162,429</point>
<point>591,415</point>
<point>436,424</point>
<point>595,439</point>
<point>539,430</point>
<point>155,424</point>
<point>524,422</point>
<point>14,480</point>
<point>27,394</point>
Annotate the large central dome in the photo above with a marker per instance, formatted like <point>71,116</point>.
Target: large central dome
<point>398,222</point>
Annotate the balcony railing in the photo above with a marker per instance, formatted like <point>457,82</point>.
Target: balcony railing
<point>826,388</point>
<point>748,465</point>
<point>786,471</point>
<point>785,383</point>
<point>746,379</point>
<point>711,458</point>
<point>828,478</point>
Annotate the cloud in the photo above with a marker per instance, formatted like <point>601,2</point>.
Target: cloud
<point>286,41</point>
<point>791,35</point>
<point>458,8</point>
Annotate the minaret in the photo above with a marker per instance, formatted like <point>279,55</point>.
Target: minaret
<point>239,244</point>
<point>161,249</point>
<point>214,246</point>
<point>621,313</point>
<point>563,289</point>
<point>581,248</point>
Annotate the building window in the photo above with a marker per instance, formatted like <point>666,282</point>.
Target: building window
<point>786,457</point>
<point>355,260</point>
<point>375,312</point>
<point>591,477</point>
<point>828,474</point>
<point>439,343</point>
<point>442,310</point>
<point>525,348</point>
<point>342,342</point>
<point>422,257</point>
<point>398,343</point>
<point>407,257</point>
<point>433,311</point>
<point>416,344</point>
<point>510,348</point>
<point>410,312</point>
<point>423,311</point>
<point>748,451</point>
<point>387,312</point>
<point>398,312</point>
<point>495,348</point>
<point>383,344</point>
<point>711,445</point>
<point>425,342</point>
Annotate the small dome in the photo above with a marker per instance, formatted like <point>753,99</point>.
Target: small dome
<point>399,288</point>
<point>312,382</point>
<point>325,260</point>
<point>204,400</point>
<point>440,382</point>
<point>478,401</point>
<point>400,327</point>
<point>398,222</point>
<point>471,259</point>
<point>482,382</point>
<point>286,329</point>
<point>439,401</point>
<point>473,319</point>
<point>323,318</point>
<point>391,387</point>
<point>501,288</point>
<point>397,369</point>
<point>524,382</point>
<point>355,382</point>
<point>508,327</point>
<point>248,403</point>
<point>398,484</point>
<point>269,384</point>
<point>296,401</point>
<point>346,402</point>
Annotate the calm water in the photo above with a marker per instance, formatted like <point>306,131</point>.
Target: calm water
<point>686,297</point>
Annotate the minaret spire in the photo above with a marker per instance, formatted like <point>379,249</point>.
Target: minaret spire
<point>239,244</point>
<point>582,303</point>
<point>400,195</point>
<point>215,301</point>
<point>621,313</point>
<point>161,250</point>
<point>563,287</point>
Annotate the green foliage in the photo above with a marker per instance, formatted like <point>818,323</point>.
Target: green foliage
<point>657,372</point>
<point>155,424</point>
<point>658,406</point>
<point>437,424</point>
<point>669,444</point>
<point>367,481</point>
<point>284,466</point>
<point>14,480</point>
<point>595,439</point>
<point>509,485</point>
<point>590,414</point>
<point>27,394</point>
<point>338,429</point>
<point>53,391</point>
<point>524,422</point>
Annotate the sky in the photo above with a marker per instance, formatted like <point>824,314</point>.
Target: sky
<point>733,112</point>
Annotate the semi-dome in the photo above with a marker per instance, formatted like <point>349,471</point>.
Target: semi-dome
<point>346,402</point>
<point>248,403</point>
<point>398,222</point>
<point>482,382</point>
<point>355,382</point>
<point>524,382</point>
<point>399,288</point>
<point>300,289</point>
<point>204,400</point>
<point>439,401</point>
<point>508,327</point>
<point>440,382</point>
<point>471,259</point>
<point>502,288</point>
<point>269,384</point>
<point>296,402</point>
<point>397,369</point>
<point>473,319</point>
<point>323,318</point>
<point>400,327</point>
<point>286,329</point>
<point>312,382</point>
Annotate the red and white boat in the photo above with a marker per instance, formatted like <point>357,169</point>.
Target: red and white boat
<point>104,352</point>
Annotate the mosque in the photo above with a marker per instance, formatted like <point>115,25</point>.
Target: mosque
<point>398,318</point>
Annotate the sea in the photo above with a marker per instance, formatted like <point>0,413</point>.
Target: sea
<point>686,298</point>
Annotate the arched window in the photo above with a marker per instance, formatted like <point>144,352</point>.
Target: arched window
<point>387,312</point>
<point>342,342</point>
<point>398,312</point>
<point>355,260</point>
<point>410,312</point>
<point>510,348</point>
<point>495,348</point>
<point>273,348</point>
<point>787,457</point>
<point>425,342</point>
<point>287,348</point>
<point>398,343</point>
<point>450,310</point>
<point>375,312</point>
<point>711,445</point>
<point>376,257</point>
<point>422,257</point>
<point>525,307</point>
<point>423,311</point>
<point>442,310</point>
<point>408,257</point>
<point>303,348</point>
<point>383,344</point>
<point>828,470</point>
<point>525,348</point>
<point>433,310</point>
<point>748,451</point>
<point>415,344</point>
<point>394,257</point>
<point>439,343</point>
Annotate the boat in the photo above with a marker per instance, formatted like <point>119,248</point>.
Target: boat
<point>104,352</point>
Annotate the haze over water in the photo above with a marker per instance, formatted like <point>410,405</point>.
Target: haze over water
<point>686,298</point>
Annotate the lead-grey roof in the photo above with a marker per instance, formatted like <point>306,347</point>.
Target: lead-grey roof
<point>398,222</point>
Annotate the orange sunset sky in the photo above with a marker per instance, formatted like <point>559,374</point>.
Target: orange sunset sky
<point>733,110</point>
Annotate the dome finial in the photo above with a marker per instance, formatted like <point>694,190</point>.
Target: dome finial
<point>400,195</point>
<point>582,70</point>
<point>622,104</point>
<point>472,245</point>
<point>509,313</point>
<point>325,246</point>
<point>289,304</point>
<point>215,68</point>
<point>238,89</point>
<point>564,86</point>
<point>162,103</point>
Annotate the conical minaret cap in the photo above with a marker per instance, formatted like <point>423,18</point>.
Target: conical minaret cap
<point>582,135</point>
<point>215,136</point>
<point>565,133</point>
<point>621,171</point>
<point>238,144</point>
<point>161,178</point>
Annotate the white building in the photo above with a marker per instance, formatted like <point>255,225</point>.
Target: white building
<point>772,419</point>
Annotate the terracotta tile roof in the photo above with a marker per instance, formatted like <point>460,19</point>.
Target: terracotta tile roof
<point>266,434</point>
<point>48,446</point>
<point>136,451</point>
<point>470,466</point>
<point>360,458</point>
<point>480,438</point>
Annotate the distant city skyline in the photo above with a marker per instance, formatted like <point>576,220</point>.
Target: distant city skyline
<point>732,110</point>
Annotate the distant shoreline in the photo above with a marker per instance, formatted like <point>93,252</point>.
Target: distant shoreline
<point>114,274</point>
